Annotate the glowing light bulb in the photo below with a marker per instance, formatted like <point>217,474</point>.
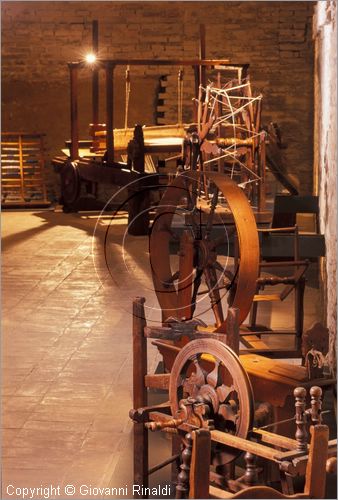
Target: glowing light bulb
<point>90,58</point>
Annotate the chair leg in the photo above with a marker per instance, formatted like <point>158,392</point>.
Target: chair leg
<point>254,311</point>
<point>140,394</point>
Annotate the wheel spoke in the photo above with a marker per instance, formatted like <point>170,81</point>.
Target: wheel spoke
<point>229,413</point>
<point>211,214</point>
<point>228,277</point>
<point>219,267</point>
<point>192,384</point>
<point>213,377</point>
<point>223,391</point>
<point>215,299</point>
<point>197,283</point>
<point>199,373</point>
<point>171,280</point>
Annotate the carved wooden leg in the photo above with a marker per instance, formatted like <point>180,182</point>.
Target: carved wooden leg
<point>301,432</point>
<point>251,473</point>
<point>139,393</point>
<point>175,449</point>
<point>287,483</point>
<point>182,488</point>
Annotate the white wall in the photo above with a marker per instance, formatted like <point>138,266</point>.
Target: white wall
<point>325,157</point>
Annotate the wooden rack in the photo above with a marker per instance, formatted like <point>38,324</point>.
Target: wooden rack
<point>22,170</point>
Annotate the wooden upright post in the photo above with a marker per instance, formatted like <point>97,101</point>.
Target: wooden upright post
<point>74,124</point>
<point>186,278</point>
<point>140,394</point>
<point>95,76</point>
<point>197,86</point>
<point>202,56</point>
<point>200,464</point>
<point>232,329</point>
<point>110,111</point>
<point>315,477</point>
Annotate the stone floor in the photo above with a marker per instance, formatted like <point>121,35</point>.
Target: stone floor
<point>67,289</point>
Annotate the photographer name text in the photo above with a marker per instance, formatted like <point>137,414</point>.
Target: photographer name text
<point>70,490</point>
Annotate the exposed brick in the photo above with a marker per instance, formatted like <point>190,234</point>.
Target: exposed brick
<point>274,37</point>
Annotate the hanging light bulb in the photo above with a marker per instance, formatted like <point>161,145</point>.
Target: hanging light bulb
<point>90,58</point>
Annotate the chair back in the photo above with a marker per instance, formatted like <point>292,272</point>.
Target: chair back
<point>286,208</point>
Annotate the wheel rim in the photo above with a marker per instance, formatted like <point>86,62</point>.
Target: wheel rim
<point>70,183</point>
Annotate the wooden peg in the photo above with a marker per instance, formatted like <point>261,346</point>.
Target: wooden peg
<point>316,404</point>
<point>301,433</point>
<point>167,424</point>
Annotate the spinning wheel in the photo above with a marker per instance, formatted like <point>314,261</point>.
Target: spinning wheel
<point>210,374</point>
<point>177,284</point>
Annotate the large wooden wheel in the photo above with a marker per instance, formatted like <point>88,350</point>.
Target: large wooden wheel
<point>209,372</point>
<point>177,289</point>
<point>70,184</point>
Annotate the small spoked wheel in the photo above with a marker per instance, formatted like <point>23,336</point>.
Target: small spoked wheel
<point>209,372</point>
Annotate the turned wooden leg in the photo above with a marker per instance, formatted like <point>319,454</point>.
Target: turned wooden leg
<point>251,473</point>
<point>175,450</point>
<point>301,432</point>
<point>182,488</point>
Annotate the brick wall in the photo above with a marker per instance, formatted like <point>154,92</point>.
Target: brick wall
<point>38,38</point>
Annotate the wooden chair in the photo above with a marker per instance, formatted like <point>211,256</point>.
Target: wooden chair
<point>315,477</point>
<point>284,221</point>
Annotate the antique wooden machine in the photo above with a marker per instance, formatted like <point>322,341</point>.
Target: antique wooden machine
<point>226,133</point>
<point>229,402</point>
<point>205,379</point>
<point>97,161</point>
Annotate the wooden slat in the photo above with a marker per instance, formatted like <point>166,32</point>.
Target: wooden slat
<point>245,445</point>
<point>253,341</point>
<point>18,203</point>
<point>22,169</point>
<point>275,439</point>
<point>273,297</point>
<point>157,381</point>
<point>218,493</point>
